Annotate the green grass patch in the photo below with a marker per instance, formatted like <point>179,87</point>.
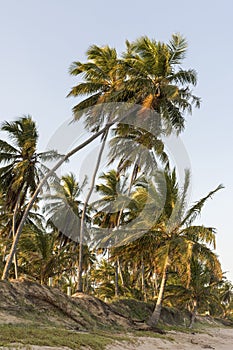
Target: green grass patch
<point>52,336</point>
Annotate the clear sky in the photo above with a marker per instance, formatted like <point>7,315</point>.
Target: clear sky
<point>40,39</point>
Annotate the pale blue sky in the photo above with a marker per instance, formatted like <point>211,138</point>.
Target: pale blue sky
<point>40,39</point>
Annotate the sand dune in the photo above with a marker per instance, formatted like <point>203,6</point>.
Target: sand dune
<point>215,338</point>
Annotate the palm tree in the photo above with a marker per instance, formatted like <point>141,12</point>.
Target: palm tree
<point>41,254</point>
<point>63,206</point>
<point>22,166</point>
<point>105,81</point>
<point>226,297</point>
<point>64,209</point>
<point>109,213</point>
<point>162,90</point>
<point>44,180</point>
<point>201,293</point>
<point>102,84</point>
<point>179,239</point>
<point>156,81</point>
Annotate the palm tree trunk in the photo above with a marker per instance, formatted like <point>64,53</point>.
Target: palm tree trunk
<point>155,284</point>
<point>143,281</point>
<point>132,178</point>
<point>154,319</point>
<point>116,280</point>
<point>120,272</point>
<point>82,224</point>
<point>193,314</point>
<point>13,234</point>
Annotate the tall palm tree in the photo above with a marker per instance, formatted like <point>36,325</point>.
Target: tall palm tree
<point>102,84</point>
<point>162,90</point>
<point>22,166</point>
<point>155,80</point>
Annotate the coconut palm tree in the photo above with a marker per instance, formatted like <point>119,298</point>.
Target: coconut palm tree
<point>156,81</point>
<point>167,238</point>
<point>162,90</point>
<point>22,166</point>
<point>41,254</point>
<point>33,199</point>
<point>102,84</point>
<point>108,207</point>
<point>63,206</point>
<point>226,297</point>
<point>64,210</point>
<point>202,291</point>
<point>179,238</point>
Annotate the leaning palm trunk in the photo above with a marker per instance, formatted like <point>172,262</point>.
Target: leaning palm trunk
<point>13,234</point>
<point>154,319</point>
<point>15,255</point>
<point>82,225</point>
<point>39,187</point>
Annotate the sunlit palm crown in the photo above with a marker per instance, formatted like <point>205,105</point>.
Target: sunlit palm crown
<point>148,73</point>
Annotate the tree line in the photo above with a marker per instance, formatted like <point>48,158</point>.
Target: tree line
<point>138,239</point>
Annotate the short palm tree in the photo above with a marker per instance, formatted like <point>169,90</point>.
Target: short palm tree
<point>202,291</point>
<point>41,255</point>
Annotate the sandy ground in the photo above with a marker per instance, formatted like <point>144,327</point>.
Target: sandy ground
<point>214,338</point>
<point>217,338</point>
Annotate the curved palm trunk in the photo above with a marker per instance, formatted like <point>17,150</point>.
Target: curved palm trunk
<point>154,319</point>
<point>13,234</point>
<point>82,225</point>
